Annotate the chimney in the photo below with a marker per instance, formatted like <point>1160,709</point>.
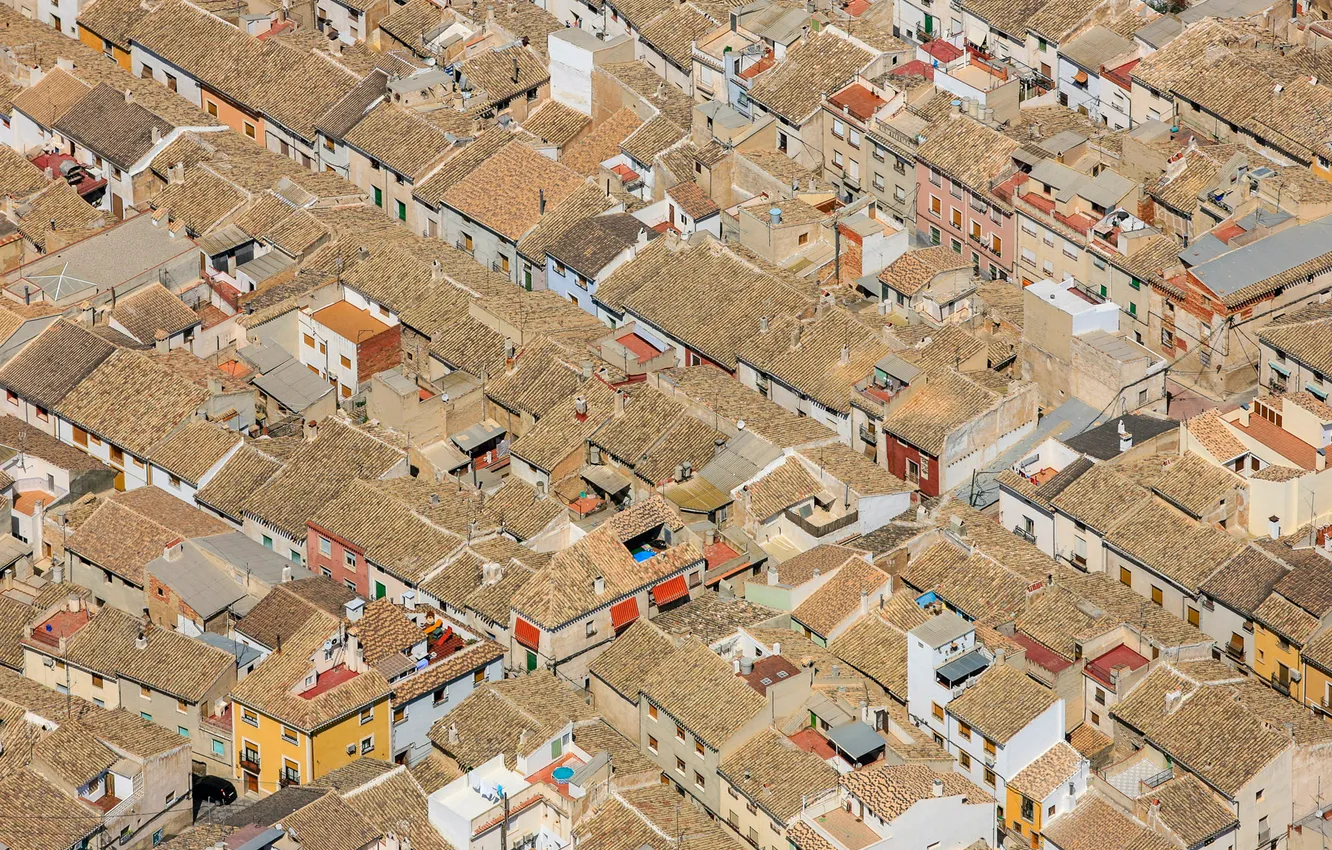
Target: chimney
<point>776,649</point>
<point>354,609</point>
<point>599,585</point>
<point>173,550</point>
<point>73,603</point>
<point>141,642</point>
<point>129,96</point>
<point>795,334</point>
<point>215,386</point>
<point>1172,700</point>
<point>1274,526</point>
<point>453,733</point>
<point>409,600</point>
<point>156,134</point>
<point>311,429</point>
<point>773,575</point>
<point>1125,438</point>
<point>580,407</point>
<point>286,573</point>
<point>938,787</point>
<point>763,324</point>
<point>845,358</point>
<point>864,602</point>
<point>746,666</point>
<point>541,201</point>
<point>161,341</point>
<point>1320,459</point>
<point>436,271</point>
<point>176,173</point>
<point>586,369</point>
<point>38,530</point>
<point>1244,416</point>
<point>619,403</point>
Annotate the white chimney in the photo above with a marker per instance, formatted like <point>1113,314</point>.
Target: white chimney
<point>1274,526</point>
<point>141,642</point>
<point>845,358</point>
<point>864,602</point>
<point>1125,438</point>
<point>599,585</point>
<point>453,733</point>
<point>286,573</point>
<point>409,600</point>
<point>776,649</point>
<point>772,574</point>
<point>173,550</point>
<point>1172,700</point>
<point>1244,416</point>
<point>354,609</point>
<point>938,787</point>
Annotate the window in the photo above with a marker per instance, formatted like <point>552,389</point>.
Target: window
<point>996,245</point>
<point>145,692</point>
<point>679,765</point>
<point>344,361</point>
<point>989,777</point>
<point>679,732</point>
<point>219,748</point>
<point>854,139</point>
<point>367,714</point>
<point>1028,810</point>
<point>146,716</point>
<point>964,731</point>
<point>964,760</point>
<point>400,714</point>
<point>1193,616</point>
<point>652,744</point>
<point>1095,719</point>
<point>937,711</point>
<point>1126,576</point>
<point>348,558</point>
<point>367,744</point>
<point>249,717</point>
<point>182,706</point>
<point>698,748</point>
<point>936,178</point>
<point>591,628</point>
<point>652,711</point>
<point>837,159</point>
<point>402,211</point>
<point>975,229</point>
<point>955,245</point>
<point>988,746</point>
<point>171,82</point>
<point>467,241</point>
<point>182,732</point>
<point>379,197</point>
<point>478,676</point>
<point>249,129</point>
<point>325,546</point>
<point>839,128</point>
<point>1133,309</point>
<point>936,207</point>
<point>289,735</point>
<point>1100,696</point>
<point>98,681</point>
<point>899,194</point>
<point>698,780</point>
<point>934,236</point>
<point>955,215</point>
<point>1158,596</point>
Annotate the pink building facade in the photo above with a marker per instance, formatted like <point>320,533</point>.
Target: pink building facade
<point>968,220</point>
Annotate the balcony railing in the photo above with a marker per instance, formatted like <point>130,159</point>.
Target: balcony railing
<point>1159,778</point>
<point>288,777</point>
<point>832,525</point>
<point>250,761</point>
<point>1235,652</point>
<point>868,436</point>
<point>1282,687</point>
<point>1026,535</point>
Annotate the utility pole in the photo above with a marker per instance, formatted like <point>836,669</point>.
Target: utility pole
<point>504,824</point>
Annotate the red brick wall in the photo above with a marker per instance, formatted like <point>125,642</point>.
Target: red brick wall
<point>164,604</point>
<point>379,352</point>
<point>900,452</point>
<point>335,562</point>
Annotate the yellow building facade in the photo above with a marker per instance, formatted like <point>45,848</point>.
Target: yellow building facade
<point>102,45</point>
<point>1276,659</point>
<point>1023,816</point>
<point>271,753</point>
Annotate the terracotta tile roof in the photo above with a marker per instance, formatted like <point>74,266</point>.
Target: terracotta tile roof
<point>815,365</point>
<point>502,194</point>
<point>673,33</point>
<point>330,822</point>
<point>777,775</point>
<point>73,217</point>
<point>1308,341</point>
<point>1056,766</point>
<point>909,273</point>
<point>290,605</point>
<point>494,718</point>
<point>650,140</point>
<point>399,139</point>
<point>1185,552</point>
<point>948,401</point>
<point>564,589</point>
<point>692,200</point>
<point>39,816</point>
<point>951,147</point>
<point>644,817</point>
<point>386,529</point>
<point>843,465</point>
<point>721,394</point>
<point>105,123</point>
<point>891,790</point>
<point>1245,581</point>
<point>54,363</point>
<point>130,529</point>
<point>410,22</point>
<point>243,473</point>
<point>786,485</point>
<point>1089,741</point>
<point>396,803</point>
<point>621,666</point>
<point>354,775</point>
<point>434,772</point>
<point>1101,498</point>
<point>131,402</point>
<point>1002,703</point>
<point>878,650</point>
<point>602,143</point>
<point>840,598</point>
<point>556,124</point>
<point>462,663</point>
<point>821,560</point>
<point>701,691</point>
<point>805,837</point>
<point>76,756</point>
<point>795,86</point>
<point>580,212</point>
<point>150,309</point>
<point>1287,620</point>
<point>1191,811</point>
<point>52,96</point>
<point>18,176</point>
<point>1096,825</point>
<point>495,76</point>
<point>112,19</point>
<point>200,200</point>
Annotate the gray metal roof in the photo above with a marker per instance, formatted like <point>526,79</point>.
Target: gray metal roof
<point>1160,32</point>
<point>244,654</point>
<point>222,240</point>
<point>294,386</point>
<point>944,628</point>
<point>265,355</point>
<point>262,268</point>
<point>857,739</point>
<point>1266,257</point>
<point>469,439</point>
<point>1062,142</point>
<point>200,583</point>
<point>739,461</point>
<point>963,667</point>
<point>1204,249</point>
<point>1068,418</point>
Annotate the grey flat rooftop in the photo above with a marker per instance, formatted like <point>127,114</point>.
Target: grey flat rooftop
<point>1267,257</point>
<point>265,355</point>
<point>944,628</point>
<point>262,268</point>
<point>1203,250</point>
<point>963,667</point>
<point>1224,9</point>
<point>294,386</point>
<point>200,583</point>
<point>739,460</point>
<point>1068,418</point>
<point>1115,346</point>
<point>1160,32</point>
<point>245,555</point>
<point>244,654</point>
<point>115,255</point>
<point>1094,48</point>
<point>471,438</point>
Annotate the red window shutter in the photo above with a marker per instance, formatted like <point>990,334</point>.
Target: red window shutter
<point>670,590</point>
<point>624,612</point>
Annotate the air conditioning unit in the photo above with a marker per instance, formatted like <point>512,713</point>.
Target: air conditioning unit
<point>1296,675</point>
<point>48,662</point>
<point>351,749</point>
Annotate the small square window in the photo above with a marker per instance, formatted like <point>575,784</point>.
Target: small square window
<point>367,714</point>
<point>367,744</point>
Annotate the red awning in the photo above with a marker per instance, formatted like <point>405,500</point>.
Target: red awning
<point>624,612</point>
<point>670,590</point>
<point>526,633</point>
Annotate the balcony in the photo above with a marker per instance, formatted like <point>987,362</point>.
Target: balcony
<point>1026,535</point>
<point>288,777</point>
<point>249,761</point>
<point>1235,652</point>
<point>1282,687</point>
<point>869,437</point>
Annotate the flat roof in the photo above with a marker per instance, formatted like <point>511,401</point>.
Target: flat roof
<point>1266,257</point>
<point>349,321</point>
<point>857,739</point>
<point>944,628</point>
<point>113,256</point>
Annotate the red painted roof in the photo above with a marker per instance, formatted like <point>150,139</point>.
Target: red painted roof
<point>1227,232</point>
<point>768,672</point>
<point>856,8</point>
<point>858,100</point>
<point>625,173</point>
<point>718,553</point>
<point>1121,76</point>
<point>330,679</point>
<point>624,612</point>
<point>942,50</point>
<point>60,624</point>
<point>526,633</point>
<point>812,742</point>
<point>670,590</point>
<point>639,347</point>
<point>1041,655</point>
<point>1280,440</point>
<point>758,67</point>
<point>1101,667</point>
<point>915,66</point>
